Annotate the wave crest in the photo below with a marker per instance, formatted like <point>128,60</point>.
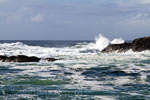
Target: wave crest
<point>101,42</point>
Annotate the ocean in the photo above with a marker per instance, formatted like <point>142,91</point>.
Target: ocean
<point>81,73</point>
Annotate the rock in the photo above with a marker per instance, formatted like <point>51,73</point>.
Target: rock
<point>10,59</point>
<point>2,58</point>
<point>141,44</point>
<point>50,59</point>
<point>138,45</point>
<point>23,58</point>
<point>117,48</point>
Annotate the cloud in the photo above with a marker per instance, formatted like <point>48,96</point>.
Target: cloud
<point>86,17</point>
<point>138,12</point>
<point>138,19</point>
<point>37,18</point>
<point>132,3</point>
<point>3,1</point>
<point>25,14</point>
<point>143,1</point>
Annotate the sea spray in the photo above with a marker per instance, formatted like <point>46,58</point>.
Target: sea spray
<point>78,48</point>
<point>101,42</point>
<point>117,41</point>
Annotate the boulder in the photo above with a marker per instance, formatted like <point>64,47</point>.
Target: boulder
<point>117,48</point>
<point>141,44</point>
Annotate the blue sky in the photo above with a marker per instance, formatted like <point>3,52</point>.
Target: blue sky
<point>73,19</point>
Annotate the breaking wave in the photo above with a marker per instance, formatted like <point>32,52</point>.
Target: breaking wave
<point>102,42</point>
<point>80,48</point>
<point>82,73</point>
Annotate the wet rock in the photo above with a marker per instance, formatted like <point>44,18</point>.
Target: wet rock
<point>23,58</point>
<point>117,48</point>
<point>2,58</point>
<point>138,45</point>
<point>141,44</point>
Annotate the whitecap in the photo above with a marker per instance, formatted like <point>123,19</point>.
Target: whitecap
<point>117,41</point>
<point>101,42</point>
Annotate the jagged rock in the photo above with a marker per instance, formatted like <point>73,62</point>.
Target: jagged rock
<point>138,45</point>
<point>141,44</point>
<point>117,48</point>
<point>23,58</point>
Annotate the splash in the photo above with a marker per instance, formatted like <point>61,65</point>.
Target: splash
<point>117,41</point>
<point>101,42</point>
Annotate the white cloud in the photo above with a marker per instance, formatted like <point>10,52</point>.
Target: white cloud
<point>37,18</point>
<point>132,2</point>
<point>137,19</point>
<point>143,1</point>
<point>138,12</point>
<point>25,14</point>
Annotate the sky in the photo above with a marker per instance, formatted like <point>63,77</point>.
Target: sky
<point>73,19</point>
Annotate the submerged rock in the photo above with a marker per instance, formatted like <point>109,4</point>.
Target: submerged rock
<point>138,45</point>
<point>23,58</point>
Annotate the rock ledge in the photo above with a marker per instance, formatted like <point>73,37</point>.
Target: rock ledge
<point>138,45</point>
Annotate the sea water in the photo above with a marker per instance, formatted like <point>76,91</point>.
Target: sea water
<point>81,73</point>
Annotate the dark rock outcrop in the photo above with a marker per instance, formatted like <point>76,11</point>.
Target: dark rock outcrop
<point>23,58</point>
<point>141,44</point>
<point>2,58</point>
<point>138,45</point>
<point>117,47</point>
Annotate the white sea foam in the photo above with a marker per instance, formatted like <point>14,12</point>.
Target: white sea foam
<point>82,48</point>
<point>86,68</point>
<point>79,49</point>
<point>101,42</point>
<point>19,48</point>
<point>104,98</point>
<point>117,41</point>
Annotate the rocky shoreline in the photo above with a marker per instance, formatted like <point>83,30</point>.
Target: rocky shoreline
<point>137,45</point>
<point>23,58</point>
